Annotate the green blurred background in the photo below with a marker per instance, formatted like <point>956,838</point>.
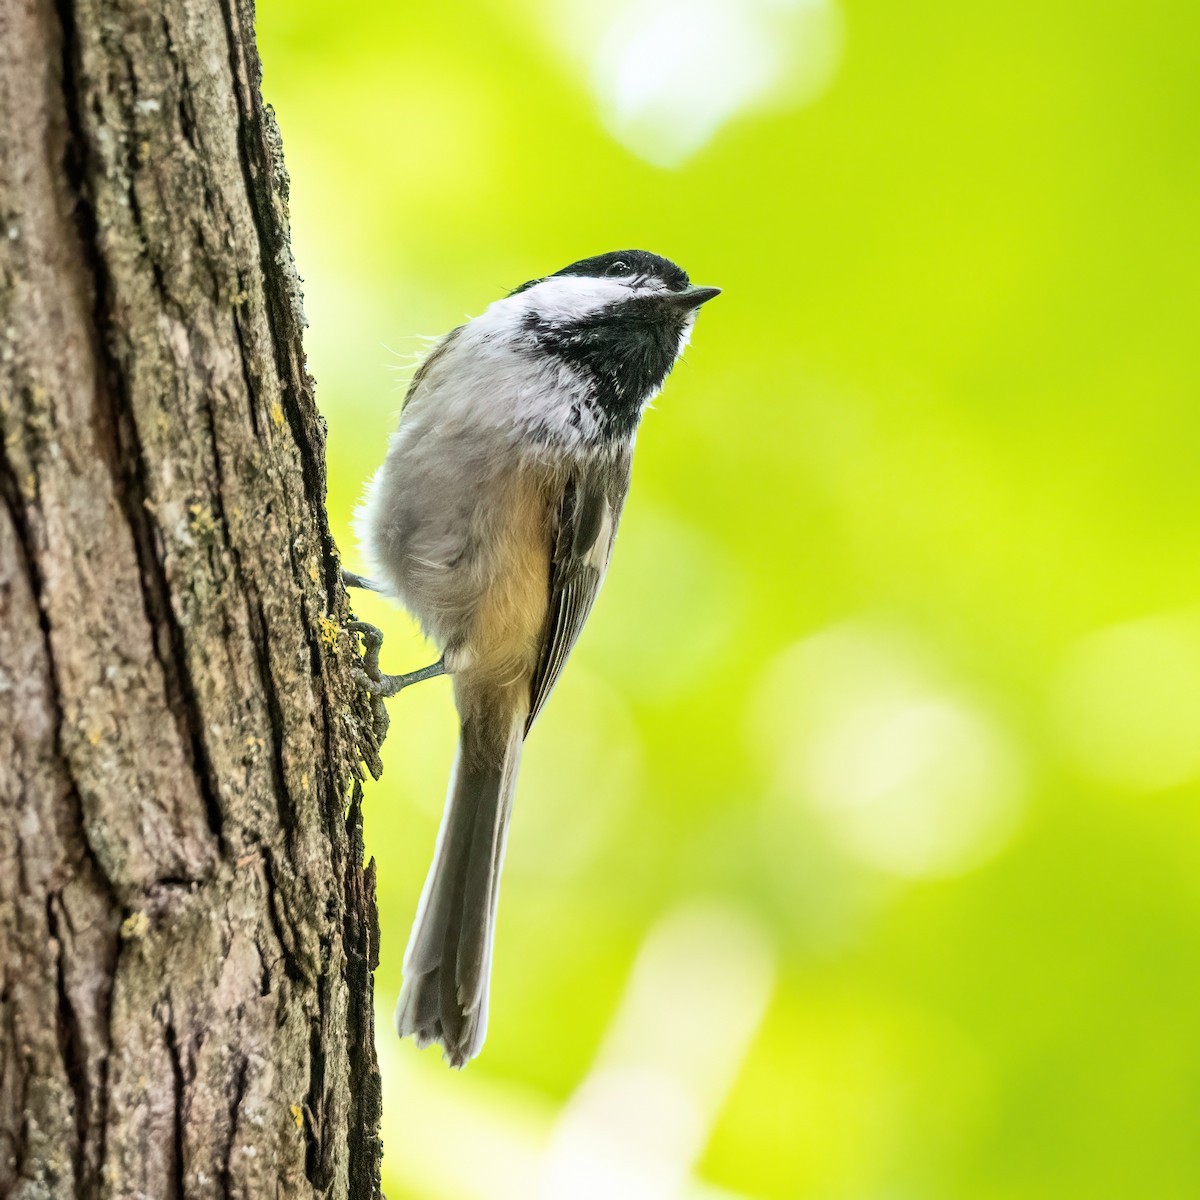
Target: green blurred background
<point>855,858</point>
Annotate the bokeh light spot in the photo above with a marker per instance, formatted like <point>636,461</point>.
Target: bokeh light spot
<point>640,1119</point>
<point>924,788</point>
<point>910,777</point>
<point>1127,703</point>
<point>668,74</point>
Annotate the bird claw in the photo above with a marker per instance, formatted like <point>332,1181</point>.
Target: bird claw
<point>371,678</point>
<point>372,643</point>
<point>378,684</point>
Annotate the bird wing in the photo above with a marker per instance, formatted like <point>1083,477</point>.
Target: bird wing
<point>584,528</point>
<point>427,363</point>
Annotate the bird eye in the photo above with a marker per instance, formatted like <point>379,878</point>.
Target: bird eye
<point>620,267</point>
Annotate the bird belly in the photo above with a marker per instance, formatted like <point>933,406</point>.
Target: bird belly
<point>462,538</point>
<point>504,639</point>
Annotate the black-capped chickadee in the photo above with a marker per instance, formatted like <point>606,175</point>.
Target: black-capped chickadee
<point>492,520</point>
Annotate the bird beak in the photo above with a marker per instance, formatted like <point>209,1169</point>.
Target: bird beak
<point>693,297</point>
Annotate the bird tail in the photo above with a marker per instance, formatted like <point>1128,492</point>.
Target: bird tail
<point>449,956</point>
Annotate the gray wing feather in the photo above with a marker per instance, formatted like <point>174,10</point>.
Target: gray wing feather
<point>588,512</point>
<point>427,364</point>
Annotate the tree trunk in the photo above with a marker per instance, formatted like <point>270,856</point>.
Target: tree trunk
<point>187,932</point>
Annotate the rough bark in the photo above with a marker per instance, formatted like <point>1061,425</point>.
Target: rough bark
<point>187,932</point>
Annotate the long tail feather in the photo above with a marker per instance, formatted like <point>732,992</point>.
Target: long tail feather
<point>446,967</point>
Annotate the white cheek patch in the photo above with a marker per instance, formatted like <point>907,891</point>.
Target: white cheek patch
<point>562,299</point>
<point>568,297</point>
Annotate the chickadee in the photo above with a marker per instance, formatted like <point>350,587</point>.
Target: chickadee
<point>492,520</point>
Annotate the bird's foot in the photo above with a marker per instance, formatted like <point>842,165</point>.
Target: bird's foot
<point>372,679</point>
